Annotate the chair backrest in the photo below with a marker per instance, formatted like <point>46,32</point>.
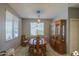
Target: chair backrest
<point>41,41</point>
<point>34,41</point>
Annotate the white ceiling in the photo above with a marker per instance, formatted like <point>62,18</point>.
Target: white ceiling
<point>48,10</point>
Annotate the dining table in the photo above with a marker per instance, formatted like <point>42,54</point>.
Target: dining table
<point>39,48</point>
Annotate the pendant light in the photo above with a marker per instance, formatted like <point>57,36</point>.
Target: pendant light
<point>38,19</point>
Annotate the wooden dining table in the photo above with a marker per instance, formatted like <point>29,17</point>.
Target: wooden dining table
<point>37,49</point>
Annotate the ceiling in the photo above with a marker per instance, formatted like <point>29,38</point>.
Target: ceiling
<point>47,10</point>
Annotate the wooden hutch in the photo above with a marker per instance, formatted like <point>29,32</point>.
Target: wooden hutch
<point>58,37</point>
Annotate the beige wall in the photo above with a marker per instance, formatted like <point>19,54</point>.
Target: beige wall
<point>4,45</point>
<point>73,14</point>
<point>26,25</point>
<point>74,35</point>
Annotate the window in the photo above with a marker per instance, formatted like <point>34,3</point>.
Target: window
<point>16,25</point>
<point>11,26</point>
<point>37,28</point>
<point>8,25</point>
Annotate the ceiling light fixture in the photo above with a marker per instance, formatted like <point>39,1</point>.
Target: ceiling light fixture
<point>38,12</point>
<point>38,19</point>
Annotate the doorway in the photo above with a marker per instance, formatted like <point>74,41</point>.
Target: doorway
<point>74,32</point>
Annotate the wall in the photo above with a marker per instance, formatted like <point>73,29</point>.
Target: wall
<point>26,25</point>
<point>73,12</point>
<point>73,15</point>
<point>62,14</point>
<point>4,45</point>
<point>74,32</point>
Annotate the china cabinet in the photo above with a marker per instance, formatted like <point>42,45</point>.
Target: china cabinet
<point>58,39</point>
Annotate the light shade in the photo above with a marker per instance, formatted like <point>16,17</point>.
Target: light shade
<point>38,20</point>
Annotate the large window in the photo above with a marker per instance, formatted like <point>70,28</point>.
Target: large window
<point>16,26</point>
<point>11,26</point>
<point>37,28</point>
